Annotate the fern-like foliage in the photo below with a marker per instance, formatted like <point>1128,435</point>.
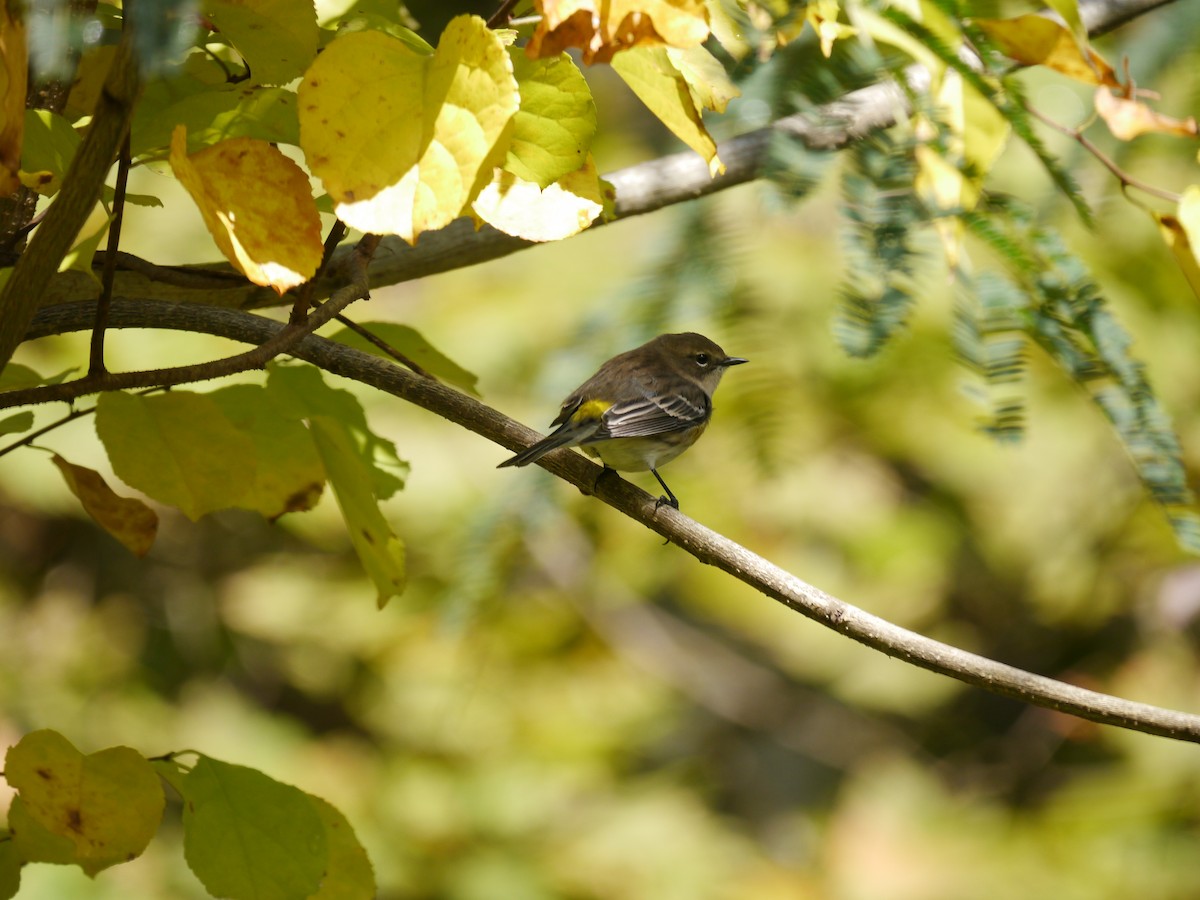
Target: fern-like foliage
<point>1066,314</point>
<point>991,340</point>
<point>882,213</point>
<point>1003,90</point>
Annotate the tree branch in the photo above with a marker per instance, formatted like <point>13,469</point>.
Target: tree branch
<point>81,186</point>
<point>706,545</point>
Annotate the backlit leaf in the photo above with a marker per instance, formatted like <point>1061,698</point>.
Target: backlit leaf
<point>404,141</point>
<point>1128,117</point>
<point>553,129</point>
<point>258,207</point>
<point>560,210</point>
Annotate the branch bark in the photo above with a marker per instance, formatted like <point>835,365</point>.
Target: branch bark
<point>703,543</point>
<point>81,187</point>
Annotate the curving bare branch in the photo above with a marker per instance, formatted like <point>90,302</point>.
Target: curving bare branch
<point>706,545</point>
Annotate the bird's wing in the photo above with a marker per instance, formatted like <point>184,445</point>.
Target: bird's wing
<point>653,414</point>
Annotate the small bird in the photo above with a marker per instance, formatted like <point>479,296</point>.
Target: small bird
<point>642,408</point>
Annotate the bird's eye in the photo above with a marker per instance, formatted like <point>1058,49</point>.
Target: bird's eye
<point>702,359</point>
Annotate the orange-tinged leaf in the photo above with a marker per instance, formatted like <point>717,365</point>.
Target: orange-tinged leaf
<point>127,519</point>
<point>601,28</point>
<point>13,69</point>
<point>1036,40</point>
<point>1127,118</point>
<point>522,209</point>
<point>258,206</point>
<point>402,140</point>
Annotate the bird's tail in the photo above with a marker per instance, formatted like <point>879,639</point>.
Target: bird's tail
<point>568,435</point>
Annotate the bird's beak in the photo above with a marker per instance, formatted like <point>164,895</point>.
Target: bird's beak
<point>733,361</point>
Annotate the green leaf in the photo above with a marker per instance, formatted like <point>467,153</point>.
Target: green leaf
<point>379,549</point>
<point>288,476</point>
<point>10,869</point>
<point>412,344</point>
<point>248,836</point>
<point>48,148</point>
<point>350,875</point>
<point>302,390</point>
<point>108,804</point>
<point>15,376</point>
<point>17,423</point>
<point>555,124</point>
<point>211,113</point>
<point>179,448</point>
<point>276,38</point>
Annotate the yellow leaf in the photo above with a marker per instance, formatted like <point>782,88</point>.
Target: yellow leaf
<point>130,521</point>
<point>13,68</point>
<point>404,141</point>
<point>658,82</point>
<point>601,28</point>
<point>1038,41</point>
<point>258,206</point>
<point>1127,118</point>
<point>522,209</point>
<point>1182,235</point>
<point>711,86</point>
<point>822,15</point>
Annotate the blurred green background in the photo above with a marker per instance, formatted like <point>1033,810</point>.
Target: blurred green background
<point>560,706</point>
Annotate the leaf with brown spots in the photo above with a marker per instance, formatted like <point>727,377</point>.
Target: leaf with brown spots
<point>94,811</point>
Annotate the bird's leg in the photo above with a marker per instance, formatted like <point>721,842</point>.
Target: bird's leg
<point>668,500</point>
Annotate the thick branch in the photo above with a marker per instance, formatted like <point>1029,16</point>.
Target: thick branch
<point>706,545</point>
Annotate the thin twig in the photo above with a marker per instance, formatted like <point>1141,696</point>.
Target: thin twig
<point>96,356</point>
<point>500,17</point>
<point>1124,177</point>
<point>304,295</point>
<point>383,345</point>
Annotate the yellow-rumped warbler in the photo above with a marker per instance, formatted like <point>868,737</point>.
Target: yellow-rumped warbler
<point>642,408</point>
